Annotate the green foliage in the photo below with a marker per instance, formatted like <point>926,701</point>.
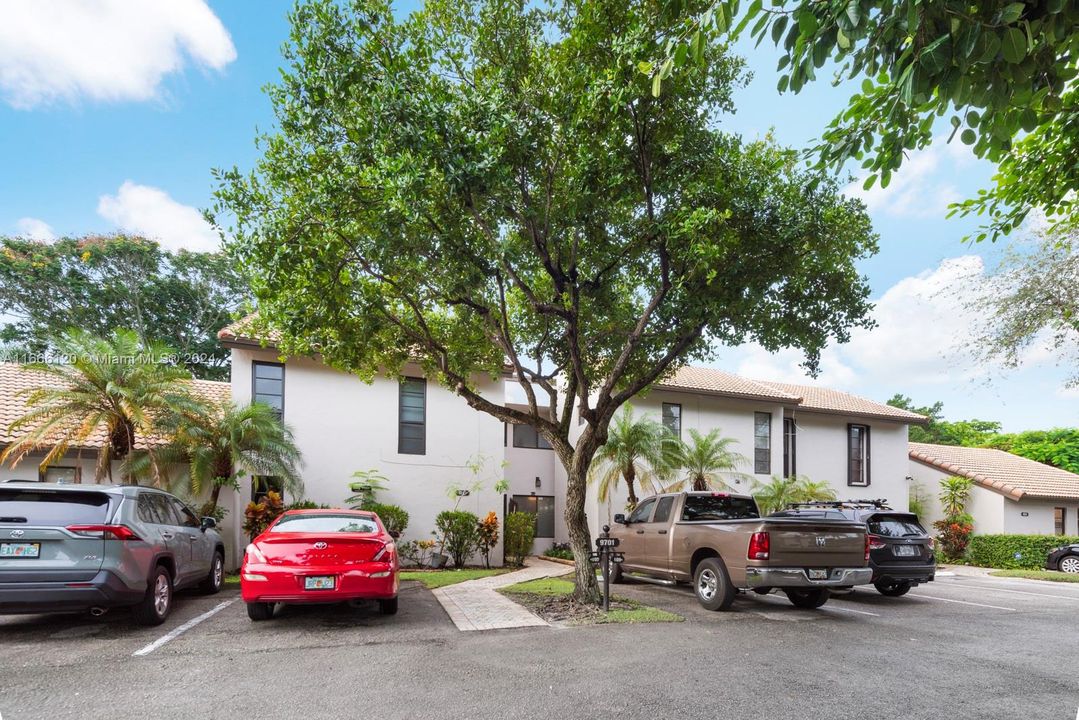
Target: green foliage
<point>559,550</point>
<point>955,528</point>
<point>485,183</point>
<point>780,492</point>
<point>306,505</point>
<point>939,431</point>
<point>118,384</point>
<point>102,283</point>
<point>1050,575</point>
<point>1058,447</point>
<point>518,537</point>
<point>636,451</point>
<point>394,517</point>
<point>954,494</point>
<point>1015,551</point>
<point>457,534</point>
<point>703,459</point>
<point>366,487</point>
<point>416,553</point>
<point>917,501</point>
<point>259,515</point>
<point>999,70</point>
<point>432,579</point>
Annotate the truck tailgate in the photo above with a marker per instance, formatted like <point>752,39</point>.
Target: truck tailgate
<point>815,543</point>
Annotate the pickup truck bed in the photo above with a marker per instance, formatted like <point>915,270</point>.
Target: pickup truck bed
<point>719,542</point>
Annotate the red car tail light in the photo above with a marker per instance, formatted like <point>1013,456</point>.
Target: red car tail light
<point>873,542</point>
<point>120,532</point>
<point>759,546</point>
<point>385,554</point>
<point>253,554</point>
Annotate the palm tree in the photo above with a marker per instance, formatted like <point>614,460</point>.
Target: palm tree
<point>118,384</point>
<point>227,441</point>
<point>635,451</point>
<point>780,492</point>
<point>703,458</point>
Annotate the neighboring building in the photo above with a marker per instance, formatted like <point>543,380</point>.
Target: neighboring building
<point>429,442</point>
<point>1011,494</point>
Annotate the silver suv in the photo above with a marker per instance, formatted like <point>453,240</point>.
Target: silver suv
<point>73,548</point>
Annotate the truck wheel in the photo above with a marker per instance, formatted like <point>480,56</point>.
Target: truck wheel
<point>808,599</point>
<point>712,585</point>
<point>892,588</point>
<point>614,572</point>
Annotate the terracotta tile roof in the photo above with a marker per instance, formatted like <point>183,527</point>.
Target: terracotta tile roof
<point>718,382</point>
<point>1011,475</point>
<point>246,331</point>
<point>842,403</point>
<point>16,381</point>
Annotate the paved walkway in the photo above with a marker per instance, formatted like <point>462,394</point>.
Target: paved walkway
<point>476,604</point>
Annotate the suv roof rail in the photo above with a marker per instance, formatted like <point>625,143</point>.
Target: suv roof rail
<point>878,504</point>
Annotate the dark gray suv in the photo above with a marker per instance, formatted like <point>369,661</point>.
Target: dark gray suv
<point>76,548</point>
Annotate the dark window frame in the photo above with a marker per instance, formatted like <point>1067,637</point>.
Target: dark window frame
<point>650,504</point>
<point>669,500</point>
<point>401,422</point>
<point>541,442</point>
<point>759,460</point>
<point>1060,513</point>
<point>263,484</point>
<point>866,458</point>
<point>677,432</point>
<point>515,505</point>
<point>42,473</point>
<point>790,447</point>
<point>254,380</point>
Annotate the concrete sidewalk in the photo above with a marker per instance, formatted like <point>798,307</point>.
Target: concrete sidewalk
<point>477,604</point>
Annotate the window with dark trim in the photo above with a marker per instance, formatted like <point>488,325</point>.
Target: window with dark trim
<point>1058,520</point>
<point>268,385</point>
<point>762,443</point>
<point>541,506</point>
<point>672,418</point>
<point>60,474</point>
<point>858,455</point>
<point>790,447</point>
<point>526,436</point>
<point>263,484</point>
<point>412,417</point>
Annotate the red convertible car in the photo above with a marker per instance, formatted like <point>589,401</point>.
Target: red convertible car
<point>320,556</point>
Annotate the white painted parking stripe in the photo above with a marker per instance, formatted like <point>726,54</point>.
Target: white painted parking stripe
<point>1022,592</point>
<point>830,606</point>
<point>168,637</point>
<point>961,602</point>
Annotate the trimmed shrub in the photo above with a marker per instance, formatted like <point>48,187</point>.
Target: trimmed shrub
<point>519,534</point>
<point>487,536</point>
<point>953,534</point>
<point>561,551</point>
<point>258,516</point>
<point>394,517</point>
<point>457,533</point>
<point>306,505</point>
<point>1015,552</point>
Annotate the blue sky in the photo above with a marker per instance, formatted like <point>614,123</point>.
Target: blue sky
<point>113,119</point>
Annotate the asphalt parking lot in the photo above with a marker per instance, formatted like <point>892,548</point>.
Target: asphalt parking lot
<point>958,648</point>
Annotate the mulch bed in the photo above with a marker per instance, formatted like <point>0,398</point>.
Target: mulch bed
<point>564,609</point>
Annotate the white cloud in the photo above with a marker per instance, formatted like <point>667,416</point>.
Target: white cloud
<point>151,212</point>
<point>917,189</point>
<point>103,50</point>
<point>34,229</point>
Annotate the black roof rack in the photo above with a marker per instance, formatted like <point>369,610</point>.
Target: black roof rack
<point>879,504</point>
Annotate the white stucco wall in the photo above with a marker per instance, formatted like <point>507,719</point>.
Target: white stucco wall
<point>86,461</point>
<point>343,425</point>
<point>522,467</point>
<point>1040,517</point>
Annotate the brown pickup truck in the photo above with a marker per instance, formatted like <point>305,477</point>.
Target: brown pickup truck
<point>720,543</point>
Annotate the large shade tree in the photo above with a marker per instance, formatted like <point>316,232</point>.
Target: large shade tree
<point>490,184</point>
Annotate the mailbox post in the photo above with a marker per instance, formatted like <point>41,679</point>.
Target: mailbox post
<point>605,555</point>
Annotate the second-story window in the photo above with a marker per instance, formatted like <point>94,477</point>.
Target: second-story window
<point>762,443</point>
<point>412,417</point>
<point>858,455</point>
<point>268,385</point>
<point>672,418</point>
<point>790,445</point>
<point>525,436</point>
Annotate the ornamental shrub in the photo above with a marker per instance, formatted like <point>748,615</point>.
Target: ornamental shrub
<point>561,551</point>
<point>394,517</point>
<point>953,534</point>
<point>457,533</point>
<point>258,516</point>
<point>1015,552</point>
<point>520,531</point>
<point>487,536</point>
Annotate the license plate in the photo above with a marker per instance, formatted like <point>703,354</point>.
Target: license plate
<point>320,582</point>
<point>818,574</point>
<point>20,550</point>
<point>905,550</point>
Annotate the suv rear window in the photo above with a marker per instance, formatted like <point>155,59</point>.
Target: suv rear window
<point>325,524</point>
<point>52,508</point>
<point>719,507</point>
<point>895,526</point>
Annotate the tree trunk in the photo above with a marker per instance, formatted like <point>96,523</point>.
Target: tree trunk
<point>699,484</point>
<point>629,474</point>
<point>586,589</point>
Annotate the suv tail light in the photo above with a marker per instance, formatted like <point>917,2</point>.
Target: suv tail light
<point>120,532</point>
<point>874,542</point>
<point>759,546</point>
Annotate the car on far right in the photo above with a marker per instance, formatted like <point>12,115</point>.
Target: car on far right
<point>900,549</point>
<point>1064,559</point>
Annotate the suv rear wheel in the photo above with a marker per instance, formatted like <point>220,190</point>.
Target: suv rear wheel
<point>712,586</point>
<point>808,599</point>
<point>154,608</point>
<point>892,588</point>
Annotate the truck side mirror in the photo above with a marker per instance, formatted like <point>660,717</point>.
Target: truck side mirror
<point>620,518</point>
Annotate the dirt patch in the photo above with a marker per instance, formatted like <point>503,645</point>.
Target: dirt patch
<point>564,610</point>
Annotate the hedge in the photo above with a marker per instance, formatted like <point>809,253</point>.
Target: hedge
<point>1015,552</point>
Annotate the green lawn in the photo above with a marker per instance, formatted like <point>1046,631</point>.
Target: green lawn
<point>440,578</point>
<point>1052,575</point>
<point>232,579</point>
<point>630,611</point>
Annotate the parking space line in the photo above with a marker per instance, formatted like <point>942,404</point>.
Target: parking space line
<point>170,636</point>
<point>1022,592</point>
<point>850,610</point>
<point>961,602</point>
